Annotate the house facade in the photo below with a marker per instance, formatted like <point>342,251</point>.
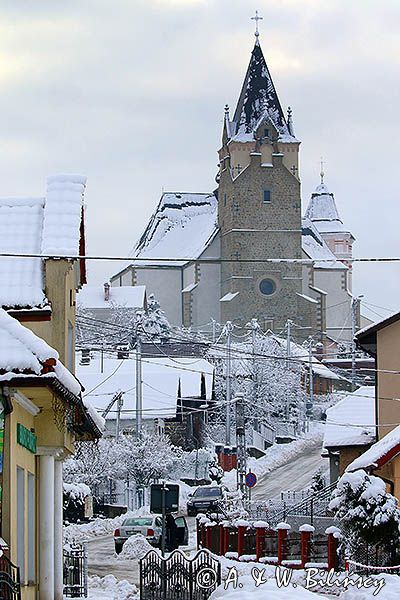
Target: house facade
<point>382,341</point>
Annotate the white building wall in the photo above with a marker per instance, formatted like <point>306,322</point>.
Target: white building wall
<point>338,302</point>
<point>166,284</point>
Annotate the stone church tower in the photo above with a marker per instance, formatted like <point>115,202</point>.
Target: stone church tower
<point>259,208</point>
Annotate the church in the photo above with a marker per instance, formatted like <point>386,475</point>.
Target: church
<point>244,250</point>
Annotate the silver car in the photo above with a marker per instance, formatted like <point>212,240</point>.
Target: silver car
<point>149,526</point>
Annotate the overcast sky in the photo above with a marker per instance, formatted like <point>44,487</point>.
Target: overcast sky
<point>131,93</point>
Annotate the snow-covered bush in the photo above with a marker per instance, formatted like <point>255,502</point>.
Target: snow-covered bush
<point>318,481</point>
<point>367,512</point>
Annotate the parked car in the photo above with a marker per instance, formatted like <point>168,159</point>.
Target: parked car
<point>150,526</point>
<point>204,498</point>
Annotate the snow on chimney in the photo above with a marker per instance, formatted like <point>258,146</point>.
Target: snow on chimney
<point>106,292</point>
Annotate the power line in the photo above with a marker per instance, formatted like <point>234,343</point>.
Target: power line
<point>216,260</point>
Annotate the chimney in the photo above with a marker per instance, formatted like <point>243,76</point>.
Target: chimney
<point>106,292</point>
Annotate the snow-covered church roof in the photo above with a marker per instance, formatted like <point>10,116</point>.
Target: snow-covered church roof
<point>323,212</point>
<point>258,99</point>
<point>316,249</point>
<point>182,227</point>
<point>51,225</point>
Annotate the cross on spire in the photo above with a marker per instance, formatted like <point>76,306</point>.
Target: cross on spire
<point>322,172</point>
<point>256,19</point>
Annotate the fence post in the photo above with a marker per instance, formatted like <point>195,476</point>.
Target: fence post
<point>305,531</point>
<point>333,534</point>
<point>261,528</point>
<point>242,525</point>
<point>283,529</point>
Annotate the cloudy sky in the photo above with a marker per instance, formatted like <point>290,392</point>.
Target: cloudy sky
<point>131,93</point>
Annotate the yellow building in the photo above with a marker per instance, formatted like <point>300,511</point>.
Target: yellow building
<point>382,340</point>
<point>43,412</point>
<point>44,415</point>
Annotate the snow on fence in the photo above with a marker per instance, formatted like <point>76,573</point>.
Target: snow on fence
<point>259,542</point>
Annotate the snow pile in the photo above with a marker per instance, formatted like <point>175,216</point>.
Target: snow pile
<point>276,456</point>
<point>135,547</point>
<point>98,526</point>
<point>63,214</point>
<point>110,588</point>
<point>247,590</point>
<point>390,591</point>
<point>373,456</point>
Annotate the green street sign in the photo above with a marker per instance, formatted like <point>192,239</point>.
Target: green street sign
<point>26,438</point>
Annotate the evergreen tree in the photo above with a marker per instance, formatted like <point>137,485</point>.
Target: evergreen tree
<point>318,481</point>
<point>367,512</point>
<point>154,323</point>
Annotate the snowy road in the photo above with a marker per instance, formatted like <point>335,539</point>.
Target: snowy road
<point>295,475</point>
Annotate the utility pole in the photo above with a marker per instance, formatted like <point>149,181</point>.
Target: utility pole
<point>120,403</point>
<point>241,445</point>
<point>289,324</point>
<point>214,331</point>
<point>310,403</point>
<point>228,329</point>
<point>354,319</point>
<point>139,405</point>
<point>254,329</point>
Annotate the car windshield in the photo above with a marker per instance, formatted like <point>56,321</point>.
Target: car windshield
<point>137,522</point>
<point>208,492</point>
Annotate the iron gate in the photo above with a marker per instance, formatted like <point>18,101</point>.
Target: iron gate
<point>178,577</point>
<point>75,571</point>
<point>10,588</point>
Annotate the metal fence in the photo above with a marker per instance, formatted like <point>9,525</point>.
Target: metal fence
<point>178,577</point>
<point>10,587</point>
<point>75,571</point>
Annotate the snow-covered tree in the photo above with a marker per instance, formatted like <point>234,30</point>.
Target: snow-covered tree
<point>144,460</point>
<point>92,463</point>
<point>366,511</point>
<point>318,481</point>
<point>272,386</point>
<point>154,323</point>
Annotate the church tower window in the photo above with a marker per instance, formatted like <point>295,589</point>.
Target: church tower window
<point>266,132</point>
<point>267,195</point>
<point>267,287</point>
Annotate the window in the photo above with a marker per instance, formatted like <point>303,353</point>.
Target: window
<point>21,522</point>
<point>267,287</point>
<point>224,199</point>
<point>31,528</point>
<point>266,132</point>
<point>267,196</point>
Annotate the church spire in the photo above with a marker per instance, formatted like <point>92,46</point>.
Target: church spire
<point>258,95</point>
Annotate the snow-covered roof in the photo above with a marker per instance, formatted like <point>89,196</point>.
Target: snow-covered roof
<point>182,227</point>
<point>380,453</point>
<point>351,422</point>
<point>23,353</point>
<point>300,353</point>
<point>127,296</point>
<point>161,379</point>
<point>316,249</point>
<point>49,225</point>
<point>323,212</point>
<point>258,99</point>
<point>381,324</point>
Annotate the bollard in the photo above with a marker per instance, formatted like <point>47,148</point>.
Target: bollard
<point>261,528</point>
<point>333,534</point>
<point>283,529</point>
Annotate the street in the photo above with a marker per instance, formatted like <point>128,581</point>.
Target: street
<point>295,475</point>
<point>102,559</point>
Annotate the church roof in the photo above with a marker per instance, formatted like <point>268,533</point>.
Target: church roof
<point>316,249</point>
<point>323,212</point>
<point>257,99</point>
<point>182,227</point>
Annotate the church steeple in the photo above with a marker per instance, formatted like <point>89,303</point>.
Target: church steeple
<point>258,97</point>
